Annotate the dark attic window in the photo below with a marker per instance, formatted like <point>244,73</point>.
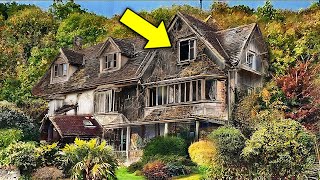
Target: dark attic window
<point>187,50</point>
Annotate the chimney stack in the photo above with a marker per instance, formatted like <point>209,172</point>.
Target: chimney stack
<point>77,43</point>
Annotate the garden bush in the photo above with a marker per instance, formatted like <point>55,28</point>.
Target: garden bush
<point>89,159</point>
<point>229,142</point>
<point>8,136</point>
<point>136,166</point>
<point>169,145</point>
<point>17,120</point>
<point>156,170</point>
<point>280,149</point>
<point>21,155</point>
<point>204,153</point>
<point>47,154</point>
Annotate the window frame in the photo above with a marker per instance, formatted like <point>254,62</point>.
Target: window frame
<point>247,63</point>
<point>113,61</point>
<point>194,50</point>
<point>60,70</point>
<point>103,104</point>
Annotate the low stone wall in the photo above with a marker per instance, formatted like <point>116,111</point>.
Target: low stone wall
<point>9,173</point>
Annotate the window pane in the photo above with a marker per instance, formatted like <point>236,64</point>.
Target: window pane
<point>64,69</point>
<point>177,95</point>
<point>199,90</point>
<point>184,50</point>
<point>194,90</point>
<point>60,70</point>
<point>211,89</point>
<point>188,91</point>
<point>183,92</point>
<point>164,93</point>
<point>159,96</point>
<point>171,95</point>
<point>192,49</point>
<point>55,70</point>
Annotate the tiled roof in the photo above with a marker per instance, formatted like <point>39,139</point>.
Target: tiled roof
<point>74,58</point>
<point>73,126</point>
<point>234,39</point>
<point>176,112</point>
<point>126,47</point>
<point>88,76</point>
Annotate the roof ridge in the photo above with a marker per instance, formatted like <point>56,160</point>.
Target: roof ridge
<point>241,26</point>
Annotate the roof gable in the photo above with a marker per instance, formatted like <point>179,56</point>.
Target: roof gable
<point>204,31</point>
<point>125,47</point>
<point>73,57</point>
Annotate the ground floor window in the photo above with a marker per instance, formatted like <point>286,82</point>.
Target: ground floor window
<point>104,101</point>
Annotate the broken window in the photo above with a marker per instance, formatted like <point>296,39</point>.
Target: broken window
<point>250,58</point>
<point>111,61</point>
<point>187,50</point>
<point>104,102</point>
<point>176,93</point>
<point>211,90</point>
<point>60,70</point>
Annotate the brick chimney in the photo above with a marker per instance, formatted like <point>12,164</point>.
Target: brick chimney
<point>77,43</point>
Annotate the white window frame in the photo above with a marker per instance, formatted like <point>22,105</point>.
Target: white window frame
<point>194,49</point>
<point>60,70</point>
<point>113,62</point>
<point>248,63</point>
<point>101,103</point>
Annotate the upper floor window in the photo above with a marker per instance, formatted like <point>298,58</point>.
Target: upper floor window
<point>104,102</point>
<point>187,50</point>
<point>60,70</point>
<point>110,62</point>
<point>189,91</point>
<point>250,58</point>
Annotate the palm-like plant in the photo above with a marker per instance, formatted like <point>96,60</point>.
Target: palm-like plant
<point>90,160</point>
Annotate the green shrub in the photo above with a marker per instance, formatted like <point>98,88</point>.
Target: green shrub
<point>280,150</point>
<point>156,170</point>
<point>135,166</point>
<point>47,154</point>
<point>169,145</point>
<point>88,159</point>
<point>17,120</point>
<point>8,136</point>
<point>204,153</point>
<point>229,142</point>
<point>21,155</point>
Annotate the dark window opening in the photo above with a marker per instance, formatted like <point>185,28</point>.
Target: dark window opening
<point>187,50</point>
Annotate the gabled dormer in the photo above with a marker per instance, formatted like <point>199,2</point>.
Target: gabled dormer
<point>114,54</point>
<point>65,64</point>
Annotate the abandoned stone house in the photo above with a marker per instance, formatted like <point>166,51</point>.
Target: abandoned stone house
<point>127,95</point>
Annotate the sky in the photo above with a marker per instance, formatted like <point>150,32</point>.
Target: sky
<point>111,7</point>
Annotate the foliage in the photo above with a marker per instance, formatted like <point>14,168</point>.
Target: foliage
<point>204,153</point>
<point>168,145</point>
<point>62,10</point>
<point>89,159</point>
<point>281,149</point>
<point>8,136</point>
<point>21,155</point>
<point>47,154</point>
<point>267,12</point>
<point>88,26</point>
<point>9,9</point>
<point>229,142</point>
<point>300,88</point>
<point>135,166</point>
<point>13,119</point>
<point>156,170</point>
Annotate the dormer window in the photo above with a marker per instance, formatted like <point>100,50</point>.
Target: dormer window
<point>250,58</point>
<point>60,70</point>
<point>187,50</point>
<point>110,62</point>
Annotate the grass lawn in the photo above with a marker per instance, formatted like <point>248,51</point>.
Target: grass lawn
<point>188,177</point>
<point>123,174</point>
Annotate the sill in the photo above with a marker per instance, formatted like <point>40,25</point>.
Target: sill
<point>185,62</point>
<point>250,69</point>
<point>184,103</point>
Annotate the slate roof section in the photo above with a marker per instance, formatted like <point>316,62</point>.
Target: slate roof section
<point>234,39</point>
<point>208,32</point>
<point>73,126</point>
<point>74,58</point>
<point>126,47</point>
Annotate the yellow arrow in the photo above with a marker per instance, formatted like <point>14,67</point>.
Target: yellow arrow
<point>158,37</point>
